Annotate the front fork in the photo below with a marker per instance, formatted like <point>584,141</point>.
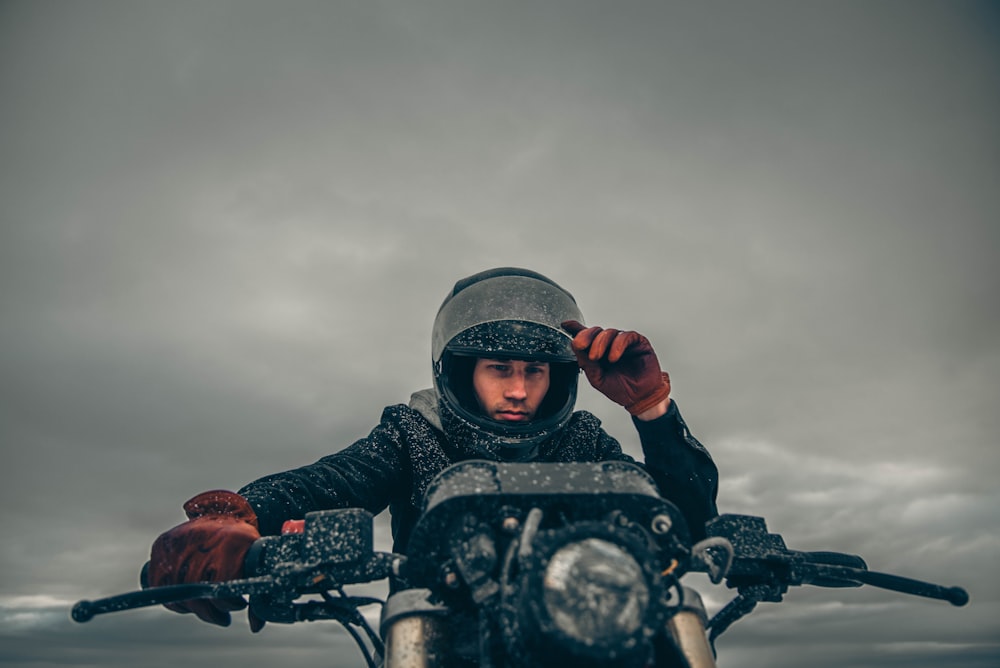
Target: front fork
<point>415,631</point>
<point>686,628</point>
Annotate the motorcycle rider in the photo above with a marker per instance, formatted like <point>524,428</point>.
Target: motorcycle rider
<point>507,348</point>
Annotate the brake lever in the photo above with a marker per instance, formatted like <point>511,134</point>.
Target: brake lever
<point>957,596</point>
<point>85,610</point>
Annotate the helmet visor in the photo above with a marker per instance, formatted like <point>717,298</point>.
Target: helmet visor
<point>509,316</point>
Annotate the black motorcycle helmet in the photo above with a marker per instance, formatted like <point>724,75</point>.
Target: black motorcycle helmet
<point>506,313</point>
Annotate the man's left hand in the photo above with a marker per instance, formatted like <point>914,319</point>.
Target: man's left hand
<point>622,366</point>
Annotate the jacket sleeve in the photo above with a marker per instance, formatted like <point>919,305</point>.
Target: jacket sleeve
<point>362,475</point>
<point>681,467</point>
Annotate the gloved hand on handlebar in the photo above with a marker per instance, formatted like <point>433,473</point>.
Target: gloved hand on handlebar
<point>209,547</point>
<point>621,365</point>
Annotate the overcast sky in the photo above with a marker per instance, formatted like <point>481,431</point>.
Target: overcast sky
<point>225,227</point>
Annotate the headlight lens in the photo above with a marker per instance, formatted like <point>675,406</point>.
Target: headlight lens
<point>595,592</point>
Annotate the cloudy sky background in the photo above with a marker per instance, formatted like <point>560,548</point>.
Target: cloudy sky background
<point>225,227</point>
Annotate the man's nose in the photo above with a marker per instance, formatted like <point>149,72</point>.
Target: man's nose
<point>514,388</point>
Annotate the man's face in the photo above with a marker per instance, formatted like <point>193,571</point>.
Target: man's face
<point>510,390</point>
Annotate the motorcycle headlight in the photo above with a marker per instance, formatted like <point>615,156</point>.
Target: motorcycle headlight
<point>595,592</point>
<point>587,593</point>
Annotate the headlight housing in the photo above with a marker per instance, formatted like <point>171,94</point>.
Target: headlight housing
<point>587,593</point>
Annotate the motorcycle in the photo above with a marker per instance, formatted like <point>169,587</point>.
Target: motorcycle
<point>528,565</point>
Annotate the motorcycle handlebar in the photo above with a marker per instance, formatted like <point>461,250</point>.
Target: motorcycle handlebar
<point>763,559</point>
<point>760,558</point>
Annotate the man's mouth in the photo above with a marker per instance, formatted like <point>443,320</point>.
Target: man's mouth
<point>512,416</point>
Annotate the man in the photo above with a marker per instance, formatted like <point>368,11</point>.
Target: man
<point>507,348</point>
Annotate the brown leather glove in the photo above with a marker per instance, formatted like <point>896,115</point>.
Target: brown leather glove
<point>621,365</point>
<point>209,547</point>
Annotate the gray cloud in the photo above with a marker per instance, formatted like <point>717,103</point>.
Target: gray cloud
<point>225,228</point>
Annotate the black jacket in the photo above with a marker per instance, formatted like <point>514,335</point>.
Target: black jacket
<point>394,464</point>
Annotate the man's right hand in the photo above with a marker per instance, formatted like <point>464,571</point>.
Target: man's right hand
<point>209,547</point>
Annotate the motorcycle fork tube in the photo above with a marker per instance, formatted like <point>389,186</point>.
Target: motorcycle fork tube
<point>415,631</point>
<point>416,641</point>
<point>687,629</point>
